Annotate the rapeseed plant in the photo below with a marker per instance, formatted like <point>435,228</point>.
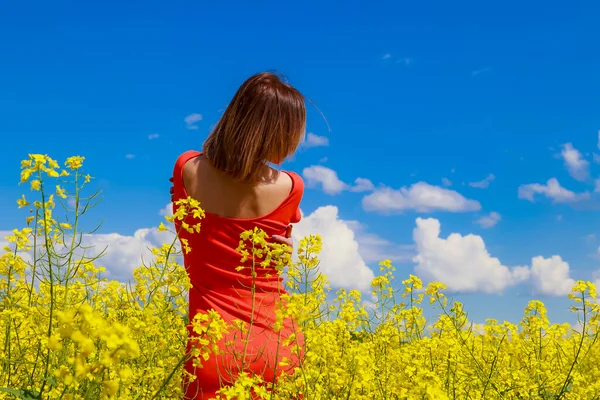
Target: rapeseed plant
<point>67,332</point>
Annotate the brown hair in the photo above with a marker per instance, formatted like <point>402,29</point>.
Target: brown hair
<point>265,121</point>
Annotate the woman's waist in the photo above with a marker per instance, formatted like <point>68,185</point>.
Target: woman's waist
<point>229,232</point>
<point>220,271</point>
<point>238,300</point>
<point>236,293</point>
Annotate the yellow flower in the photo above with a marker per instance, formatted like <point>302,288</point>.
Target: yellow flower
<point>22,202</point>
<point>111,387</point>
<point>74,162</point>
<point>52,163</point>
<point>36,184</point>
<point>54,343</point>
<point>25,174</point>
<point>110,340</point>
<point>60,192</point>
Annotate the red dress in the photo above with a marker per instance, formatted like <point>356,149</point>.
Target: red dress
<point>211,266</point>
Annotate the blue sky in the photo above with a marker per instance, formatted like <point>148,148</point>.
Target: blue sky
<point>413,93</point>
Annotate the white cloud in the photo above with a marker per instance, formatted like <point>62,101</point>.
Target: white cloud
<point>153,136</point>
<point>313,140</point>
<point>550,276</point>
<point>446,182</point>
<point>487,221</point>
<point>124,253</point>
<point>3,234</point>
<point>576,165</point>
<point>326,177</point>
<point>166,210</point>
<point>130,156</point>
<point>362,185</point>
<point>374,248</point>
<point>461,262</point>
<point>340,259</point>
<point>3,241</point>
<point>121,253</point>
<point>596,158</point>
<point>597,185</point>
<point>552,190</point>
<point>599,139</point>
<point>596,280</point>
<point>464,264</point>
<point>484,183</point>
<point>421,197</point>
<point>387,56</point>
<point>191,120</point>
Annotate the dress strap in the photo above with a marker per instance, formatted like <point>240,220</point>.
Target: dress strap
<point>298,188</point>
<point>181,160</point>
<point>295,196</point>
<point>177,179</point>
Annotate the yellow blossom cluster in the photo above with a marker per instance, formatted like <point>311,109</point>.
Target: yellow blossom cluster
<point>67,332</point>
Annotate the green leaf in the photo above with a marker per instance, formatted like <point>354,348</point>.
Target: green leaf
<point>24,394</point>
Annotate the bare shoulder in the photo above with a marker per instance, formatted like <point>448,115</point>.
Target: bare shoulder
<point>222,195</point>
<point>284,179</point>
<point>194,169</point>
<point>280,183</point>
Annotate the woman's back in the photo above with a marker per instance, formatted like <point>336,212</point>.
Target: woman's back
<point>230,209</point>
<point>264,123</point>
<point>212,266</point>
<point>222,195</point>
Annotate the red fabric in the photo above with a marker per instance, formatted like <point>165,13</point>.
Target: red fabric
<point>211,266</point>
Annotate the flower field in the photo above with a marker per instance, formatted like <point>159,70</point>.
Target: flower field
<point>67,332</point>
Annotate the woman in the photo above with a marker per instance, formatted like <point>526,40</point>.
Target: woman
<point>264,123</point>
